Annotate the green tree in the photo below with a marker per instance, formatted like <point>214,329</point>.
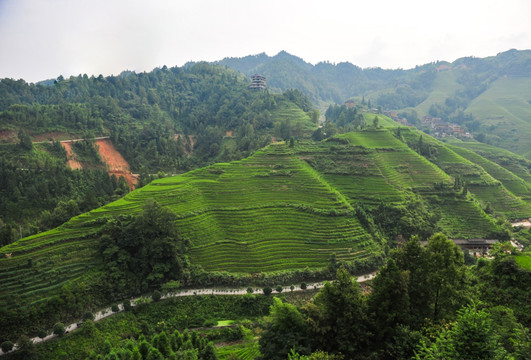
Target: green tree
<point>26,348</point>
<point>337,317</point>
<point>7,346</point>
<point>156,296</point>
<point>267,290</point>
<point>88,315</point>
<point>59,329</point>
<point>445,276</point>
<point>24,140</point>
<point>375,122</point>
<point>388,303</point>
<point>146,251</point>
<point>285,329</point>
<point>471,337</point>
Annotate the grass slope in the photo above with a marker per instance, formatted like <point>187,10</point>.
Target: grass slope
<point>489,182</point>
<point>524,261</point>
<point>505,110</point>
<point>444,86</point>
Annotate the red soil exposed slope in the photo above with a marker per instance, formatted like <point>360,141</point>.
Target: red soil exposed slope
<point>71,156</point>
<point>116,164</point>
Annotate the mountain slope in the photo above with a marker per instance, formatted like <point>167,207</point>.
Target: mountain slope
<point>283,208</point>
<point>489,96</point>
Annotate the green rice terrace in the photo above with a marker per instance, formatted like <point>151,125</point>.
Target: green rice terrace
<point>283,208</point>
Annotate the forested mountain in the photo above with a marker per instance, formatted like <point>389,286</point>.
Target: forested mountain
<point>490,96</point>
<point>169,120</point>
<point>285,212</point>
<point>242,188</point>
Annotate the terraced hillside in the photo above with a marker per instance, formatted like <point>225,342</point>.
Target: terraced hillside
<point>268,212</point>
<point>283,208</point>
<point>486,180</point>
<point>516,164</point>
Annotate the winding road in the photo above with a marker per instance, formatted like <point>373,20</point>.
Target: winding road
<point>191,292</point>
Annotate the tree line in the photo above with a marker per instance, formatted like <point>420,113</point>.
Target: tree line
<point>425,303</point>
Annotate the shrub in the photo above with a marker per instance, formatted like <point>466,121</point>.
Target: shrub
<point>279,289</point>
<point>25,347</point>
<point>292,288</point>
<point>115,308</point>
<point>7,346</point>
<point>267,290</point>
<point>210,323</point>
<point>88,328</point>
<point>303,286</point>
<point>127,305</point>
<point>59,329</point>
<point>156,295</point>
<point>42,334</point>
<point>88,315</point>
<point>249,290</point>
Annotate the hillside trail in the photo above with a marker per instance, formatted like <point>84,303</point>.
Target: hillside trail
<point>102,314</point>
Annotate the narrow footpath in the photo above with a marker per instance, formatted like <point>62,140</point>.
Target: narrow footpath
<point>190,292</point>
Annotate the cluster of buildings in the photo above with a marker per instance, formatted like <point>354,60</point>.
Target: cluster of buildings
<point>441,129</point>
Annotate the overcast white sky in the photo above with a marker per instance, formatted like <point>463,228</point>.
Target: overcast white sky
<point>42,39</point>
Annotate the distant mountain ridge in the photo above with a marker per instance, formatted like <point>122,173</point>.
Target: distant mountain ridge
<point>490,96</point>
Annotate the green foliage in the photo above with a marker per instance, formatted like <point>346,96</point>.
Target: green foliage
<point>88,315</point>
<point>59,329</point>
<point>26,348</point>
<point>285,329</point>
<point>436,277</point>
<point>505,283</point>
<point>145,251</point>
<point>86,152</point>
<point>348,119</point>
<point>267,290</point>
<point>337,317</point>
<point>156,295</point>
<point>24,140</point>
<point>471,337</point>
<point>7,346</point>
<point>389,303</point>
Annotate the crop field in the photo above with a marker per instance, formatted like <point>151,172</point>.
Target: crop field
<point>243,351</point>
<point>293,113</point>
<point>463,219</point>
<point>488,181</point>
<point>282,208</point>
<point>512,162</point>
<point>269,212</point>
